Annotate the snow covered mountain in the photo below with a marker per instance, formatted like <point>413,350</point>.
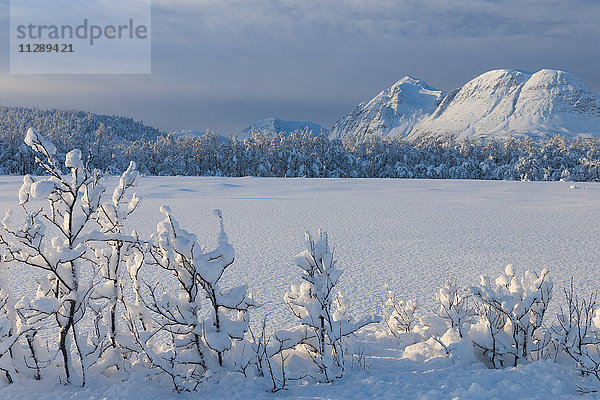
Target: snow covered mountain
<point>276,125</point>
<point>504,103</point>
<point>394,112</point>
<point>498,103</point>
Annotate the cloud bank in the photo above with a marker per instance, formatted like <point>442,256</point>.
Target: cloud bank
<point>220,64</point>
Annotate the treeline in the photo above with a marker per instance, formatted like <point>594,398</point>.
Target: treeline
<point>301,154</point>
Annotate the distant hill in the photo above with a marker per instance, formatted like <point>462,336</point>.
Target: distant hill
<point>72,126</point>
<point>505,103</point>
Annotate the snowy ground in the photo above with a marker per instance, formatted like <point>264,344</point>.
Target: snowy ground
<point>412,234</point>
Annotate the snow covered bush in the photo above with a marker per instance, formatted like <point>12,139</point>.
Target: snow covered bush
<point>176,334</point>
<point>75,241</point>
<point>400,316</point>
<point>9,333</point>
<point>455,307</point>
<point>52,239</point>
<point>111,252</point>
<point>510,316</point>
<point>577,332</point>
<point>405,320</point>
<point>322,311</point>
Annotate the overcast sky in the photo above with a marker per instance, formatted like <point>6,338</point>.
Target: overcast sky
<point>221,64</point>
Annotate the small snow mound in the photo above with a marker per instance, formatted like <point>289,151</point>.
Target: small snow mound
<point>73,159</point>
<point>39,143</point>
<point>42,189</point>
<point>165,209</point>
<point>575,187</point>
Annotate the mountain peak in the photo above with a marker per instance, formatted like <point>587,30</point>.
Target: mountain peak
<point>393,112</point>
<point>501,102</point>
<point>410,80</point>
<point>556,77</point>
<point>507,102</point>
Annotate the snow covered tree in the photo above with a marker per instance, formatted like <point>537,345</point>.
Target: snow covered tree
<point>181,338</point>
<point>52,239</point>
<point>511,313</point>
<point>321,310</point>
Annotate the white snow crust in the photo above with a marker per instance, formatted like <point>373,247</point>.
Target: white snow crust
<point>412,234</point>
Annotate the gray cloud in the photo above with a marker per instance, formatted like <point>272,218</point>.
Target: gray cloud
<point>220,64</point>
<point>390,19</point>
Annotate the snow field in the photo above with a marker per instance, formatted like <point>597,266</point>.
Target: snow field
<point>413,235</point>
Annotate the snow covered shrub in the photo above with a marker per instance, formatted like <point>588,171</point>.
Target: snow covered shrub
<point>9,333</point>
<point>52,239</point>
<point>76,241</point>
<point>267,355</point>
<point>174,332</point>
<point>577,331</point>
<point>510,315</point>
<point>400,316</point>
<point>111,253</point>
<point>455,307</point>
<point>405,321</point>
<point>321,310</point>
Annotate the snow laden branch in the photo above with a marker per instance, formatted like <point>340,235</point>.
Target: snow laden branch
<point>455,307</point>
<point>111,251</point>
<point>400,316</point>
<point>10,354</point>
<point>187,335</point>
